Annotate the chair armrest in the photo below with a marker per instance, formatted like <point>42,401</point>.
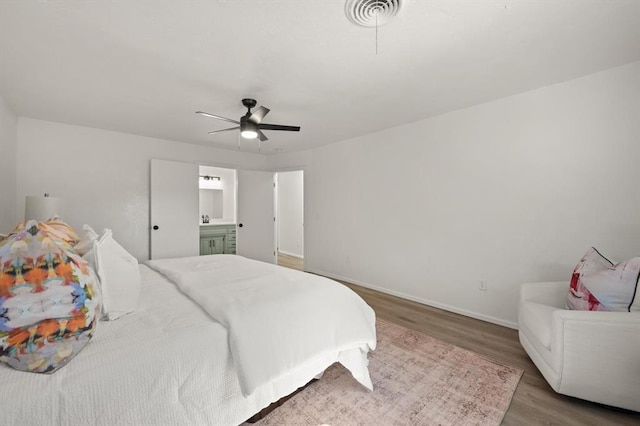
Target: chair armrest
<point>598,355</point>
<point>607,331</point>
<point>552,293</point>
<point>599,317</point>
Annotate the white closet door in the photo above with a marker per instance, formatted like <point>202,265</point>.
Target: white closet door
<point>255,237</point>
<point>175,229</point>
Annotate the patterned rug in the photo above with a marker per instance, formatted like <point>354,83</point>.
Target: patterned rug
<point>417,380</point>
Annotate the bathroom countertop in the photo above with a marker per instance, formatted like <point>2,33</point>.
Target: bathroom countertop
<point>217,223</point>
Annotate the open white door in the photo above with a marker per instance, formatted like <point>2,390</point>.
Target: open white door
<point>256,226</point>
<point>175,230</point>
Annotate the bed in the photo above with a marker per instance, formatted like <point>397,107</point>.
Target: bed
<point>176,360</point>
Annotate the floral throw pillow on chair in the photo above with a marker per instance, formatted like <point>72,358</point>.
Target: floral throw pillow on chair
<point>597,284</point>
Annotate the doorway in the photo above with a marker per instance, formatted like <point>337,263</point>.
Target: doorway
<point>289,203</point>
<point>245,219</point>
<point>217,195</point>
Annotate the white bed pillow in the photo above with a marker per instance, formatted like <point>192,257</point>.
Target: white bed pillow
<point>118,273</point>
<point>89,236</point>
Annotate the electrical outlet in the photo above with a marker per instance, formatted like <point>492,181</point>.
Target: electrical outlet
<point>482,285</point>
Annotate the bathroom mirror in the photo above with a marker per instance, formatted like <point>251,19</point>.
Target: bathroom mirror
<point>211,204</point>
<point>217,195</point>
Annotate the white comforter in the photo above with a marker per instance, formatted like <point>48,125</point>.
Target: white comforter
<point>277,318</point>
<point>167,363</point>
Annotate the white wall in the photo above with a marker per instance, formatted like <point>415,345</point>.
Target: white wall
<point>8,168</point>
<point>103,176</point>
<point>510,191</point>
<point>290,213</point>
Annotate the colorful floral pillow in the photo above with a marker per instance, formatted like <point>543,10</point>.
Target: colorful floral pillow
<point>597,284</point>
<point>60,230</point>
<point>87,241</point>
<point>50,300</point>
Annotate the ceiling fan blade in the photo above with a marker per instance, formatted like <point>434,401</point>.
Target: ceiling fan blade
<point>259,114</point>
<point>224,130</point>
<point>265,126</point>
<point>206,114</point>
<point>262,136</point>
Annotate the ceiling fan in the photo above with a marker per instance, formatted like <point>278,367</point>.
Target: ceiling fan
<point>251,124</point>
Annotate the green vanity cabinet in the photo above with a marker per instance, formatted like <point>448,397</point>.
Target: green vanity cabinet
<point>212,245</point>
<point>217,239</point>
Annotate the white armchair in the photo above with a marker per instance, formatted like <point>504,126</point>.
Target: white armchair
<point>589,355</point>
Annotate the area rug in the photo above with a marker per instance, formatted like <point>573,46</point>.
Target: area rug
<point>417,379</point>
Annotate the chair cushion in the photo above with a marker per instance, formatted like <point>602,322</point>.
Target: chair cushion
<point>598,284</point>
<point>537,318</point>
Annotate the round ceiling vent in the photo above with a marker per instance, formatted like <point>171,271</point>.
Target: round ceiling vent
<point>371,13</point>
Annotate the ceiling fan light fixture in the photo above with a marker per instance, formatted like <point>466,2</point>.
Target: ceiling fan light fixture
<point>249,134</point>
<point>249,130</point>
<point>250,124</point>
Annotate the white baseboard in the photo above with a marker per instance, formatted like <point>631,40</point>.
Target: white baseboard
<point>487,318</point>
<point>291,254</point>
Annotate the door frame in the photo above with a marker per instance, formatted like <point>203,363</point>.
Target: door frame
<point>275,171</point>
<point>304,209</point>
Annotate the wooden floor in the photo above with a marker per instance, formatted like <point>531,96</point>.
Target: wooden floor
<point>534,402</point>
<point>290,262</point>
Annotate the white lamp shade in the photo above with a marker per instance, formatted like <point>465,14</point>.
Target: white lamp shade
<point>42,208</point>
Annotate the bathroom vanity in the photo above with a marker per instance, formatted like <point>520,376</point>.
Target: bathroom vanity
<point>217,238</point>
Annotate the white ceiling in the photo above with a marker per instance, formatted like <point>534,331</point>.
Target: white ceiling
<point>145,66</point>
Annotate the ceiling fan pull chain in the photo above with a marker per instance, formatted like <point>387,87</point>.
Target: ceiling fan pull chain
<point>372,13</point>
<point>376,33</point>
